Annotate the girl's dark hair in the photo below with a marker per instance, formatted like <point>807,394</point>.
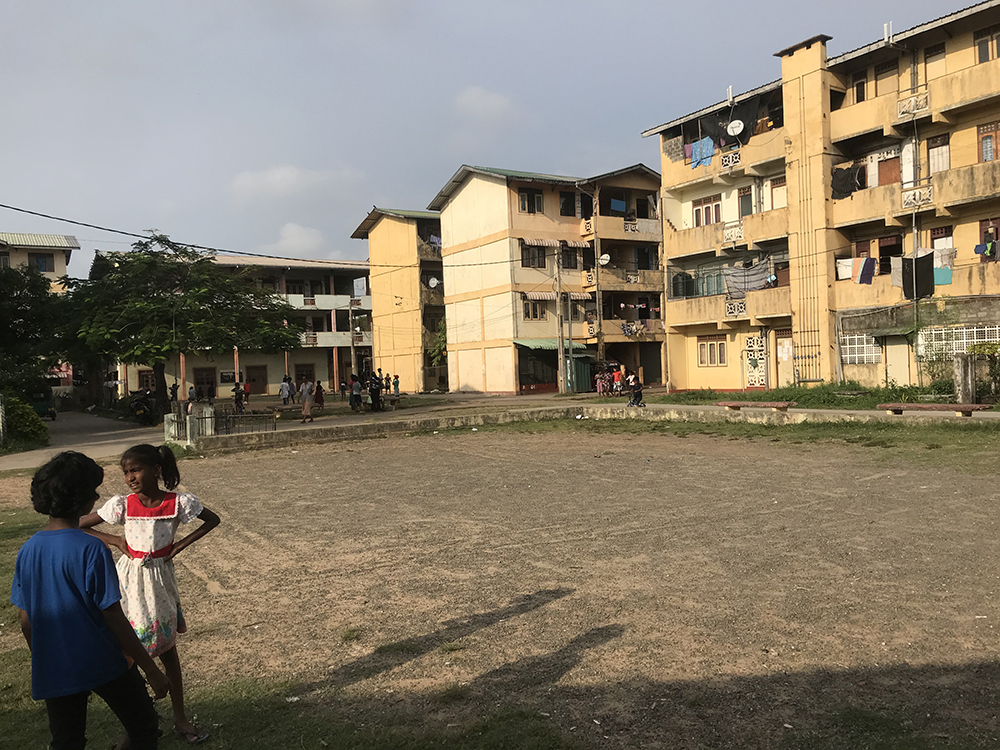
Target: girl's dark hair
<point>163,457</point>
<point>66,486</point>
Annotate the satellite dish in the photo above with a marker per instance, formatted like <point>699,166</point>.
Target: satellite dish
<point>735,127</point>
<point>432,282</point>
<point>604,259</point>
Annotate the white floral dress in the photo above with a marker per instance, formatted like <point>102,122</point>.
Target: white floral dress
<point>150,597</point>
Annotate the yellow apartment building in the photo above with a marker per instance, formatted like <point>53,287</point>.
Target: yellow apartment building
<point>334,303</point>
<point>407,292</point>
<point>49,253</point>
<point>513,242</point>
<point>803,218</point>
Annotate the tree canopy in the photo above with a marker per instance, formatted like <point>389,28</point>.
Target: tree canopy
<point>162,299</point>
<point>30,318</point>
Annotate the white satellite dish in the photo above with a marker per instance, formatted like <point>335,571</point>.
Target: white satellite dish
<point>432,282</point>
<point>735,127</point>
<point>604,259</point>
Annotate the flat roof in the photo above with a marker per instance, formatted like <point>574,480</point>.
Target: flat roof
<point>275,262</point>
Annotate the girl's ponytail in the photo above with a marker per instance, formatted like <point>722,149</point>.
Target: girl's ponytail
<point>169,472</point>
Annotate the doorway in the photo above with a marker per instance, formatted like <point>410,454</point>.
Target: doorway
<point>784,358</point>
<point>257,378</point>
<point>897,360</point>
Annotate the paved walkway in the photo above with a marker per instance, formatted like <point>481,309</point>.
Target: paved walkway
<point>98,437</point>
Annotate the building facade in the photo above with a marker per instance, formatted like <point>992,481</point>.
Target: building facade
<point>48,253</point>
<point>520,254</point>
<point>838,223</point>
<point>407,292</point>
<point>333,301</point>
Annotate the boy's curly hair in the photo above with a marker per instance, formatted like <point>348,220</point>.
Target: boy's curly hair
<point>66,485</point>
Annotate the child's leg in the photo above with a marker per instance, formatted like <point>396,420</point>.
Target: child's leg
<point>68,721</point>
<point>172,668</point>
<point>126,696</point>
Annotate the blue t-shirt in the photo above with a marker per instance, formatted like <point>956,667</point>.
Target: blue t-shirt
<point>64,579</point>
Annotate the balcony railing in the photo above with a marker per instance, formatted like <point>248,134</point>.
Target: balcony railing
<point>915,102</point>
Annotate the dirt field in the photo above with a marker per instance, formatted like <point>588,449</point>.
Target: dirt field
<point>643,591</point>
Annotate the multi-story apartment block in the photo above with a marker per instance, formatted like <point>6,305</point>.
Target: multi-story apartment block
<point>512,242</point>
<point>803,218</point>
<point>333,301</point>
<point>48,253</point>
<point>407,291</point>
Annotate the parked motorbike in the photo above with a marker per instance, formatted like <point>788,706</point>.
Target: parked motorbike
<point>143,405</point>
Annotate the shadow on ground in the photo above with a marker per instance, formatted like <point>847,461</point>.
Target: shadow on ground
<point>527,704</point>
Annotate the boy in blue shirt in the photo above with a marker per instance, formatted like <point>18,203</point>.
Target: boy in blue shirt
<point>66,588</point>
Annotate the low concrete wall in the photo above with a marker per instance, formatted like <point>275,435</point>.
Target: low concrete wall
<point>284,438</point>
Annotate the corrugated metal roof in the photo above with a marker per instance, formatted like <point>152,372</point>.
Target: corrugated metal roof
<point>64,241</point>
<point>844,57</point>
<point>441,199</point>
<point>635,168</point>
<point>361,233</point>
<point>551,344</point>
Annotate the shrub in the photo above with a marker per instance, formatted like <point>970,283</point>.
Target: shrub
<point>25,429</point>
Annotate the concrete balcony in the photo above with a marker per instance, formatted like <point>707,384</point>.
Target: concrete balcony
<point>766,304</point>
<point>634,330</point>
<point>960,188</point>
<point>696,241</point>
<point>762,227</point>
<point>758,308</point>
<point>761,155</point>
<point>323,302</point>
<point>334,338</point>
<point>880,293</point>
<point>970,87</point>
<point>613,279</point>
<point>616,228</point>
<point>871,115</point>
<point>873,204</point>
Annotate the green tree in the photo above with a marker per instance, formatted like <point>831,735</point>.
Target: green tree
<point>162,299</point>
<point>439,349</point>
<point>30,318</point>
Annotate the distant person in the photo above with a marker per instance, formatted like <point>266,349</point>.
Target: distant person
<point>199,394</point>
<point>211,393</point>
<point>173,391</point>
<point>375,390</point>
<point>355,393</point>
<point>395,386</point>
<point>246,392</point>
<point>284,390</point>
<point>238,397</point>
<point>306,395</point>
<point>67,595</point>
<point>343,390</point>
<point>192,394</point>
<point>388,383</point>
<point>319,400</point>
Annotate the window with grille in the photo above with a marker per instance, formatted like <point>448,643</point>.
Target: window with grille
<point>44,262</point>
<point>986,44</point>
<point>534,310</point>
<point>937,342</point>
<point>532,256</point>
<point>859,349</point>
<point>988,140</point>
<point>567,204</point>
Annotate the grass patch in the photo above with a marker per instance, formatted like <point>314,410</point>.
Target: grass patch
<point>15,528</point>
<point>866,729</point>
<point>350,634</point>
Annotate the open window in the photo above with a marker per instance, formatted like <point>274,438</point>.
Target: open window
<point>529,201</point>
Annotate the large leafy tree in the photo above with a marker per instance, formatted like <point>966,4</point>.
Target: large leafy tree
<point>30,319</point>
<point>162,299</point>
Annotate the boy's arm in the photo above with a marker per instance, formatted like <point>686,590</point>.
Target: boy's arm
<point>25,626</point>
<point>209,521</point>
<point>133,648</point>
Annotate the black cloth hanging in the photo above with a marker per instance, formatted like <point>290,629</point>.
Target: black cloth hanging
<point>924,266</point>
<point>843,183</point>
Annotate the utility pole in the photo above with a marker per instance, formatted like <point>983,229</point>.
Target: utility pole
<point>354,351</point>
<point>561,379</point>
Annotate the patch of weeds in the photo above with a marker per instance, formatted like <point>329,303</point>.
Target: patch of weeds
<point>450,647</point>
<point>452,694</point>
<point>350,634</point>
<point>932,446</point>
<point>400,647</point>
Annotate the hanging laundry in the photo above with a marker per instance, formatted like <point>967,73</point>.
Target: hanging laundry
<point>688,150</point>
<point>991,249</point>
<point>864,270</point>
<point>944,257</point>
<point>702,152</point>
<point>844,266</point>
<point>843,183</point>
<point>923,267</point>
<point>896,276</point>
<point>942,276</point>
<point>739,281</point>
<point>979,249</point>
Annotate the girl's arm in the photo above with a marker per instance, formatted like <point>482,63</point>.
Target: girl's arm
<point>208,522</point>
<point>111,540</point>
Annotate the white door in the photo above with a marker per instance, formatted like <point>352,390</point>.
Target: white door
<point>897,360</point>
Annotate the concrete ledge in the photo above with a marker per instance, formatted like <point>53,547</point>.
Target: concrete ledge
<point>656,413</point>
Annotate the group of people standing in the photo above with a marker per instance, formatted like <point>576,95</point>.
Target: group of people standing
<point>377,385</point>
<point>616,381</point>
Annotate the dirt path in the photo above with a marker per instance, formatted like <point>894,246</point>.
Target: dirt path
<point>682,592</point>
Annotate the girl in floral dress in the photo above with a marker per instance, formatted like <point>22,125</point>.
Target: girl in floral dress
<point>150,597</point>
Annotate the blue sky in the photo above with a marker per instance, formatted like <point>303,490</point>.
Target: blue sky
<point>273,127</point>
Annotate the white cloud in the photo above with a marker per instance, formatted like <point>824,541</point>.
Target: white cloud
<point>297,241</point>
<point>484,106</point>
<point>286,180</point>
